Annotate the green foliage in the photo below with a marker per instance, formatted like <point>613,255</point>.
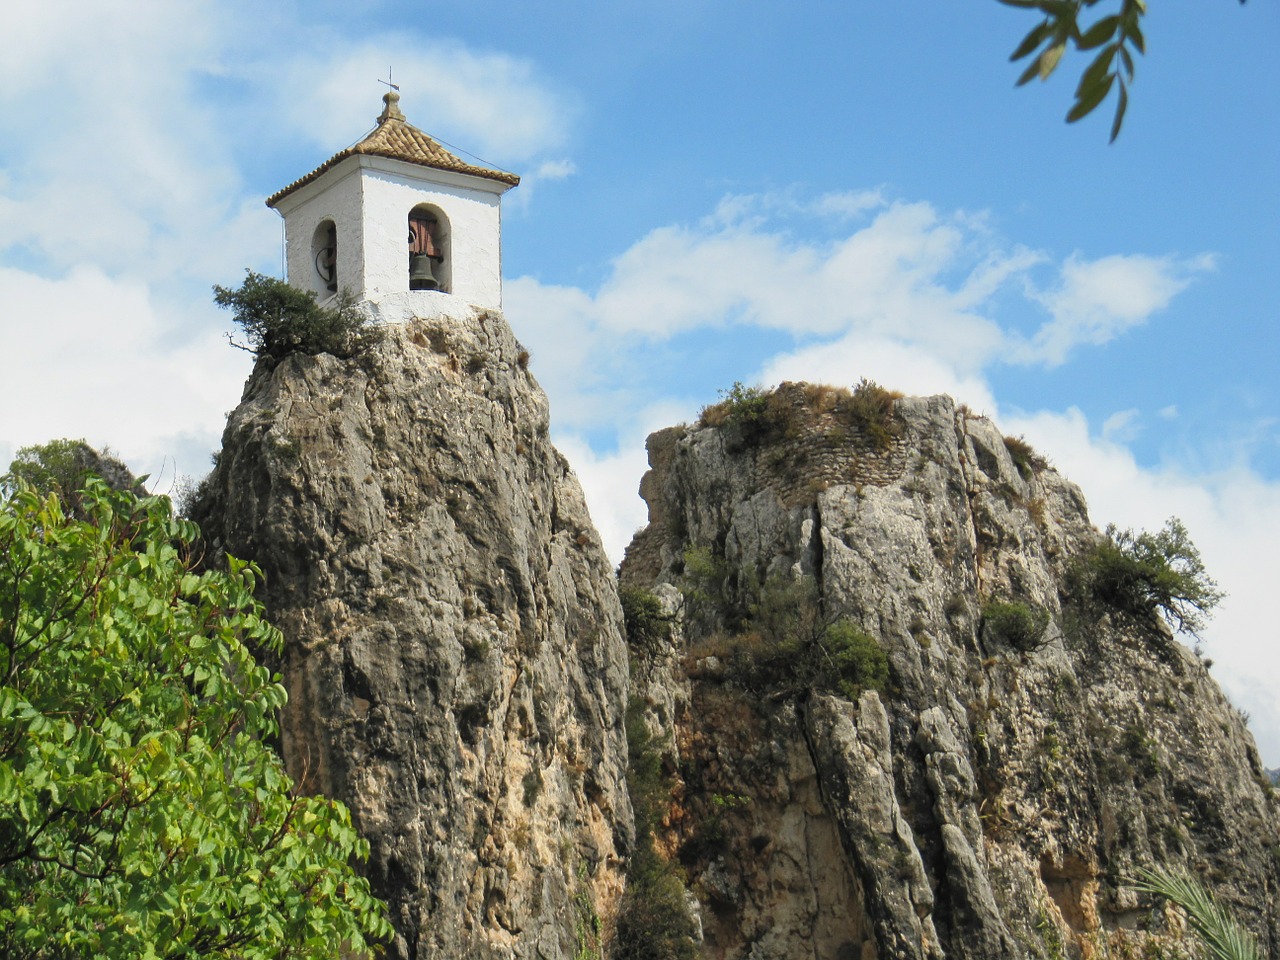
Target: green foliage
<point>871,407</point>
<point>654,921</point>
<point>741,405</point>
<point>1222,937</point>
<point>702,587</point>
<point>853,658</point>
<point>141,812</point>
<point>1115,36</point>
<point>1140,574</point>
<point>646,624</point>
<point>279,319</point>
<point>792,410</point>
<point>1025,458</point>
<point>1014,623</point>
<point>789,647</point>
<point>60,467</point>
<point>587,925</point>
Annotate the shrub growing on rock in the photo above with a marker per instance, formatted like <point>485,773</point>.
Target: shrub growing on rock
<point>1140,574</point>
<point>1014,623</point>
<point>279,319</point>
<point>643,618</point>
<point>789,647</point>
<point>1025,457</point>
<point>870,407</point>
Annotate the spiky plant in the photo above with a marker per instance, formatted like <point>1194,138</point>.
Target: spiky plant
<point>1222,937</point>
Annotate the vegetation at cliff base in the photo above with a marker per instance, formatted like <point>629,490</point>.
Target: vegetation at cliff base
<point>1140,574</point>
<point>142,813</point>
<point>279,319</point>
<point>654,919</point>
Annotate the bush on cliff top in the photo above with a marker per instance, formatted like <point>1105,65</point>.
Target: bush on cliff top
<point>760,414</point>
<point>279,319</point>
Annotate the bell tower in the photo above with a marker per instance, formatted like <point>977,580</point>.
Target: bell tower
<point>398,221</point>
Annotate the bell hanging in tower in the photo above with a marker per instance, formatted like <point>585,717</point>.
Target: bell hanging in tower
<point>421,276</point>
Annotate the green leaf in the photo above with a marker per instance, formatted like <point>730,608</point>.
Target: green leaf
<point>1099,33</point>
<point>1133,33</point>
<point>1092,97</point>
<point>1121,106</point>
<point>104,720</point>
<point>1097,71</point>
<point>1048,61</point>
<point>1036,36</point>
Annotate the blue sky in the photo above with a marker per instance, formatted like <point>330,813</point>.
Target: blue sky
<point>712,192</point>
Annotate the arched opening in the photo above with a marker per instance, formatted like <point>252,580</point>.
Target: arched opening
<point>324,258</point>
<point>430,266</point>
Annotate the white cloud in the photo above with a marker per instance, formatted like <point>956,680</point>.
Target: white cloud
<point>555,170</point>
<point>97,358</point>
<point>891,278</point>
<point>910,289</point>
<point>1097,300</point>
<point>1123,426</point>
<point>1234,518</point>
<point>492,103</point>
<point>849,204</point>
<point>893,364</point>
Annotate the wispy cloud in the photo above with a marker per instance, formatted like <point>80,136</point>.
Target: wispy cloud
<point>1234,517</point>
<point>124,133</point>
<point>1095,301</point>
<point>495,104</point>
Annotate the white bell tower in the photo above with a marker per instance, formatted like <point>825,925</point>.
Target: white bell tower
<point>399,222</point>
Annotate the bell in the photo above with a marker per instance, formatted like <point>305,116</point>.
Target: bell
<point>421,276</point>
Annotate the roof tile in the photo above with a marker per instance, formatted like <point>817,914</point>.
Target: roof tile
<point>396,138</point>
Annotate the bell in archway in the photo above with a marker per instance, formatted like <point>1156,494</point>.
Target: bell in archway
<point>421,276</point>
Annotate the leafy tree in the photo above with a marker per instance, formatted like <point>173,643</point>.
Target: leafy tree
<point>1145,572</point>
<point>141,812</point>
<point>61,466</point>
<point>1116,37</point>
<point>279,319</point>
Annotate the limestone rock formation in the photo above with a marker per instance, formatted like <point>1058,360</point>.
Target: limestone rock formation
<point>454,660</point>
<point>994,795</point>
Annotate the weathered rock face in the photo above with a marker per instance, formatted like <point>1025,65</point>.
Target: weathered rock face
<point>453,656</point>
<point>994,797</point>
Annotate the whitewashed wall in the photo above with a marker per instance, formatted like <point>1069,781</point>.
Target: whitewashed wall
<point>369,199</point>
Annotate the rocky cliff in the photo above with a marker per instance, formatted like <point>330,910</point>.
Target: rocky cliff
<point>873,714</point>
<point>454,657</point>
<point>891,722</point>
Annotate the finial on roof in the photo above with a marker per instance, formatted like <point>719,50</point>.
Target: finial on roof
<point>392,109</point>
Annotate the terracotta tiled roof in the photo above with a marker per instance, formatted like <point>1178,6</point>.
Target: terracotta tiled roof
<point>396,138</point>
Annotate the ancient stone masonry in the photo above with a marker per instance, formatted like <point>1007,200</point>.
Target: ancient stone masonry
<point>993,797</point>
<point>454,660</point>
